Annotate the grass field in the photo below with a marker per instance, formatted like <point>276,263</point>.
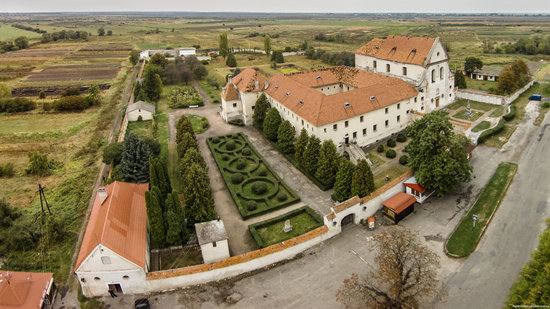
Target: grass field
<point>140,128</point>
<point>463,241</point>
<point>483,85</point>
<point>9,33</point>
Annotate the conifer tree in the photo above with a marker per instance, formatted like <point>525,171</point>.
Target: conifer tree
<point>271,124</point>
<point>267,45</point>
<point>134,163</point>
<point>191,156</point>
<point>300,147</point>
<point>160,198</point>
<point>342,185</point>
<point>260,110</point>
<point>362,183</point>
<point>152,83</point>
<point>173,226</point>
<point>231,61</point>
<point>187,141</point>
<point>285,137</point>
<point>199,202</point>
<point>156,220</point>
<point>182,219</point>
<point>158,176</point>
<point>224,45</point>
<point>311,155</point>
<point>184,126</point>
<point>327,165</point>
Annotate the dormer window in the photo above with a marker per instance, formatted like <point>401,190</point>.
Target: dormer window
<point>347,105</point>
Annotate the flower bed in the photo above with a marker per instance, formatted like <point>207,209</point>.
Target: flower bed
<point>183,97</point>
<point>271,232</point>
<point>254,187</point>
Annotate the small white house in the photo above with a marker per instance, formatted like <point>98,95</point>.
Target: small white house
<point>187,51</point>
<point>171,53</point>
<point>140,108</point>
<point>213,240</point>
<point>114,254</point>
<point>412,187</point>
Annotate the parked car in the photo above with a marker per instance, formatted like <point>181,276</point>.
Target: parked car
<point>142,303</point>
<point>535,97</point>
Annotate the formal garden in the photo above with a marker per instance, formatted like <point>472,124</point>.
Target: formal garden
<point>254,187</point>
<point>284,227</point>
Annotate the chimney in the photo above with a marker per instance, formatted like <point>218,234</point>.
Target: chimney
<point>256,85</point>
<point>102,194</point>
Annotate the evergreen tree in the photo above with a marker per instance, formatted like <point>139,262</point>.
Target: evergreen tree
<point>260,111</point>
<point>224,45</point>
<point>311,155</point>
<point>271,124</point>
<point>285,137</point>
<point>342,185</point>
<point>460,80</point>
<point>231,61</point>
<point>362,183</point>
<point>300,147</point>
<point>187,142</point>
<point>173,224</point>
<point>160,197</point>
<point>134,164</point>
<point>277,57</point>
<point>267,44</point>
<point>327,165</point>
<point>191,156</point>
<point>199,202</point>
<point>184,126</point>
<point>182,219</point>
<point>156,219</point>
<point>158,176</point>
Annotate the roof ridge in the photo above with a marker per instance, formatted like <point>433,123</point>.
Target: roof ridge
<point>114,184</point>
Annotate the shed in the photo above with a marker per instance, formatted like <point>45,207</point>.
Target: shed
<point>140,108</point>
<point>412,187</point>
<point>212,238</point>
<point>399,206</point>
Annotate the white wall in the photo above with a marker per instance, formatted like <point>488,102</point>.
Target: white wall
<point>93,267</point>
<point>484,97</point>
<point>231,109</point>
<point>249,102</point>
<point>134,115</point>
<point>211,254</point>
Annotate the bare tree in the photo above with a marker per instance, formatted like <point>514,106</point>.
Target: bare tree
<point>405,273</point>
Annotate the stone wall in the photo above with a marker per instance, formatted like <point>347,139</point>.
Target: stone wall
<point>484,97</point>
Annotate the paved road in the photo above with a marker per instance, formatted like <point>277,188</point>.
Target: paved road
<point>483,281</point>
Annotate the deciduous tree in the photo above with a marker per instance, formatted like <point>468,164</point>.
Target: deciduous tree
<point>362,182</point>
<point>471,64</point>
<point>231,60</point>
<point>342,184</point>
<point>267,44</point>
<point>460,80</point>
<point>134,57</point>
<point>224,45</point>
<point>271,124</point>
<point>403,275</point>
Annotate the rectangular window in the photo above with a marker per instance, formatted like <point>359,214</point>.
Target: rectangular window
<point>325,130</point>
<point>415,100</point>
<point>374,64</point>
<point>374,128</point>
<point>387,122</point>
<point>354,134</point>
<point>302,122</point>
<point>388,68</point>
<point>387,110</point>
<point>361,118</point>
<point>105,260</point>
<point>364,132</point>
<point>234,105</point>
<point>346,124</point>
<point>335,127</point>
<point>214,244</point>
<point>404,71</point>
<point>398,118</point>
<point>398,105</point>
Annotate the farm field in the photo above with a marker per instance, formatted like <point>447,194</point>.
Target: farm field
<point>8,33</point>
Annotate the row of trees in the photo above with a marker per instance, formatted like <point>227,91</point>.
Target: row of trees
<point>65,35</point>
<point>193,174</point>
<point>333,58</point>
<point>320,160</point>
<point>536,45</point>
<point>19,43</point>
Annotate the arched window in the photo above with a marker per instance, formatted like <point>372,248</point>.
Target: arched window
<point>433,76</point>
<point>441,73</point>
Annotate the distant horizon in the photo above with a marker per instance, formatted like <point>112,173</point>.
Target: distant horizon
<point>282,12</point>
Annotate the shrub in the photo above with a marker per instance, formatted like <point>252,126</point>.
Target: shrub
<point>259,188</point>
<point>511,115</point>
<point>404,160</point>
<point>215,140</point>
<point>391,143</point>
<point>16,105</point>
<point>42,95</point>
<point>546,105</point>
<point>236,179</point>
<point>184,97</point>
<point>71,92</point>
<point>401,138</point>
<point>485,135</point>
<point>251,206</point>
<point>39,164</point>
<point>241,165</point>
<point>380,149</point>
<point>7,170</point>
<point>230,146</point>
<point>236,122</point>
<point>225,157</point>
<point>71,104</point>
<point>263,172</point>
<point>282,197</point>
<point>247,152</point>
<point>391,154</point>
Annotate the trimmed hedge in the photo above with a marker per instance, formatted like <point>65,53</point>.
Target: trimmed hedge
<point>71,104</point>
<point>403,160</point>
<point>16,105</point>
<point>391,154</point>
<point>253,228</point>
<point>511,115</point>
<point>380,149</point>
<point>485,135</point>
<point>391,143</point>
<point>401,138</point>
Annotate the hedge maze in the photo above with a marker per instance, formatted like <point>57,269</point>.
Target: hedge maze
<point>254,187</point>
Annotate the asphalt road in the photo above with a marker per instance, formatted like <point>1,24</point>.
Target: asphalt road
<point>484,279</point>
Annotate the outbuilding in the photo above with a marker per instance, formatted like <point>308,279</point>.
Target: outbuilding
<point>399,206</point>
<point>140,109</point>
<point>412,187</point>
<point>24,290</point>
<point>212,238</point>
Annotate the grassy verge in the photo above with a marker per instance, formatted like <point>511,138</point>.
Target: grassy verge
<point>200,124</point>
<point>463,241</point>
<point>211,91</point>
<point>271,232</point>
<point>484,125</point>
<point>140,128</point>
<point>473,105</point>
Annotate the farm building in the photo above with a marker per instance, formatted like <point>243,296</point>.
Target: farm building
<point>114,254</point>
<point>212,238</point>
<point>140,109</point>
<point>415,189</point>
<point>396,80</point>
<point>170,53</point>
<point>25,290</point>
<point>488,73</point>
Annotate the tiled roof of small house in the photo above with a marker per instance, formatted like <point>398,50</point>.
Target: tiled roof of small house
<point>23,289</point>
<point>249,80</point>
<point>230,93</point>
<point>141,105</point>
<point>399,202</point>
<point>211,231</point>
<point>403,49</point>
<point>413,184</point>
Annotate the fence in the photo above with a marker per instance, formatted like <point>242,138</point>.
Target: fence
<point>484,97</point>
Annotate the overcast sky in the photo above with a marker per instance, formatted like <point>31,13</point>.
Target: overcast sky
<point>312,6</point>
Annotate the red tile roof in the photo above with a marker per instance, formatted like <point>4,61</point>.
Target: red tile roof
<point>230,93</point>
<point>298,93</point>
<point>249,80</point>
<point>399,202</point>
<point>119,223</point>
<point>412,50</point>
<point>415,186</point>
<point>23,290</point>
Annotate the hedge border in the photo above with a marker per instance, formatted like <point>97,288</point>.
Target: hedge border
<point>292,199</point>
<point>485,135</point>
<point>512,114</point>
<point>253,228</point>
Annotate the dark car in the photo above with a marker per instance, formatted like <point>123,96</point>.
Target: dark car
<point>142,303</point>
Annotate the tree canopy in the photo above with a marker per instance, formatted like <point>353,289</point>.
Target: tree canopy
<point>471,64</point>
<point>362,182</point>
<point>285,137</point>
<point>342,184</point>
<point>271,124</point>
<point>328,162</point>
<point>260,110</point>
<point>134,163</point>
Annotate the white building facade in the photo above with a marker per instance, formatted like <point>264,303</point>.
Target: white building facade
<point>240,94</point>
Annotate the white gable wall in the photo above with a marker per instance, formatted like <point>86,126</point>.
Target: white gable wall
<point>211,254</point>
<point>95,276</point>
<point>134,115</point>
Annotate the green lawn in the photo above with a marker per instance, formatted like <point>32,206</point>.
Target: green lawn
<point>484,125</point>
<point>465,238</point>
<point>40,123</point>
<point>392,171</point>
<point>473,105</point>
<point>483,85</point>
<point>211,91</point>
<point>9,33</point>
<point>140,128</point>
<point>271,232</point>
<point>254,187</point>
<point>498,112</point>
<point>473,117</point>
<point>200,124</point>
